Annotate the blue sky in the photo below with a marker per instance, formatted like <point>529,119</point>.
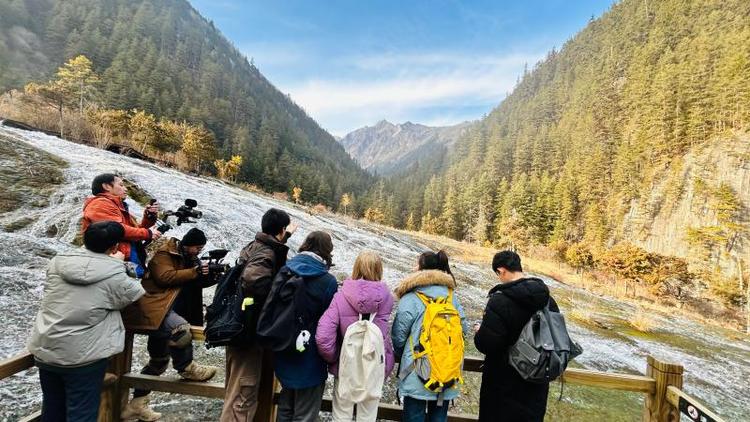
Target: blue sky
<point>352,63</point>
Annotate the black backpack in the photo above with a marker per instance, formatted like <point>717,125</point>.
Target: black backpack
<point>544,348</point>
<point>225,319</point>
<point>285,313</point>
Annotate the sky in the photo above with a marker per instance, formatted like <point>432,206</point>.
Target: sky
<point>350,64</point>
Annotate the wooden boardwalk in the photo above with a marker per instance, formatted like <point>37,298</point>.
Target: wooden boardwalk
<point>662,386</point>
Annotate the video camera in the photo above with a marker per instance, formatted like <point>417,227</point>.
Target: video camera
<point>183,214</point>
<point>215,265</point>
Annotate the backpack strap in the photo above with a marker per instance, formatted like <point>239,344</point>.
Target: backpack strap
<point>424,298</point>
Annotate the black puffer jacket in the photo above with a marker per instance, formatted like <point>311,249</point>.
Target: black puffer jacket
<point>505,396</point>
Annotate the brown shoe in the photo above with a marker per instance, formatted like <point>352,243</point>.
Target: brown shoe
<point>195,372</point>
<point>138,409</point>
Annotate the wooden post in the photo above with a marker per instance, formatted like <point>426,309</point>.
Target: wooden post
<point>657,408</point>
<point>118,366</point>
<point>107,398</point>
<point>266,407</point>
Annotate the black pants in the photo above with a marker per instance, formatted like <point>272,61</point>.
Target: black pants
<point>72,394</point>
<point>300,405</point>
<point>159,350</point>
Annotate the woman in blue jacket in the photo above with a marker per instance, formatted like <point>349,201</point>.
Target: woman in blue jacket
<point>433,279</point>
<point>303,374</point>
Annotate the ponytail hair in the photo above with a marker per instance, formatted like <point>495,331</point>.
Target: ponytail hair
<point>435,261</point>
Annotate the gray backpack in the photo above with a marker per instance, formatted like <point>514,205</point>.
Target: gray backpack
<point>544,348</point>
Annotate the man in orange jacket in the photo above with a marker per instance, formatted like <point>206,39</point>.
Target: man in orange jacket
<point>108,204</point>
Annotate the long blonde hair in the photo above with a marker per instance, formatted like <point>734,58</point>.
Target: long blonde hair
<point>368,266</point>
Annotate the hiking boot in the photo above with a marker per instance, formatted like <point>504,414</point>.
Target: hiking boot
<point>138,409</point>
<point>195,372</point>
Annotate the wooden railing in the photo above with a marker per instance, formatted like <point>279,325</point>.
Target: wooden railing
<point>662,386</point>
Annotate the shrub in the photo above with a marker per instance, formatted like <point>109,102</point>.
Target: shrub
<point>320,209</point>
<point>727,289</point>
<point>642,322</point>
<point>579,256</point>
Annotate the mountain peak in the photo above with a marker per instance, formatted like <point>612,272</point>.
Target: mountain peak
<point>387,147</point>
<point>383,123</point>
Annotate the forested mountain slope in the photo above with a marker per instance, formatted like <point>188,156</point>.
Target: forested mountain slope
<point>641,112</point>
<point>164,58</point>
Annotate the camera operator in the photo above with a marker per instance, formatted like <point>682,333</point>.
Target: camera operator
<point>108,204</point>
<point>172,303</point>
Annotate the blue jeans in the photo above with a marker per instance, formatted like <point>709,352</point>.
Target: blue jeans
<point>416,410</point>
<point>71,394</point>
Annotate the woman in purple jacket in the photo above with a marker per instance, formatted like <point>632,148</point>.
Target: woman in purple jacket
<point>363,294</point>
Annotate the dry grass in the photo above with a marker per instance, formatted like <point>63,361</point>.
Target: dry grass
<point>30,110</point>
<point>580,313</point>
<point>595,282</point>
<point>281,196</point>
<point>642,322</point>
<point>319,209</point>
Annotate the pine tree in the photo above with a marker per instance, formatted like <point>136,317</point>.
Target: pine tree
<point>450,218</point>
<point>479,231</point>
<point>411,224</point>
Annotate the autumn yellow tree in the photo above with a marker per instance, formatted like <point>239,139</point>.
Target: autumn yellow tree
<point>296,194</point>
<point>346,200</point>
<point>143,130</point>
<point>78,79</point>
<point>411,225</point>
<point>108,125</point>
<point>229,169</point>
<point>430,224</point>
<point>198,146</point>
<point>375,215</point>
<point>75,81</point>
<point>169,137</point>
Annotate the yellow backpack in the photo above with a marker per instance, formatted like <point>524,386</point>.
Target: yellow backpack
<point>439,355</point>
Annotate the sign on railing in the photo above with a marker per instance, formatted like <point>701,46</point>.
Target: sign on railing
<point>690,407</point>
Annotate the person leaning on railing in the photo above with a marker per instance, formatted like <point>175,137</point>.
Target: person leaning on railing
<point>511,304</point>
<point>172,303</point>
<point>108,204</point>
<point>301,371</point>
<point>432,280</point>
<point>363,296</point>
<point>262,258</point>
<point>78,325</point>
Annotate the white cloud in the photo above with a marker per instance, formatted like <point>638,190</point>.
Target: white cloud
<point>404,87</point>
<point>384,61</point>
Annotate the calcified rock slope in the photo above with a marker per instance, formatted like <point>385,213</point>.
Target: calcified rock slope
<point>682,199</point>
<point>717,363</point>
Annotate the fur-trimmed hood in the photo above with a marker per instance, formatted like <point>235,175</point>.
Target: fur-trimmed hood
<point>424,278</point>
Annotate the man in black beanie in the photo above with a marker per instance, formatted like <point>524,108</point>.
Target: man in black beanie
<point>172,303</point>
